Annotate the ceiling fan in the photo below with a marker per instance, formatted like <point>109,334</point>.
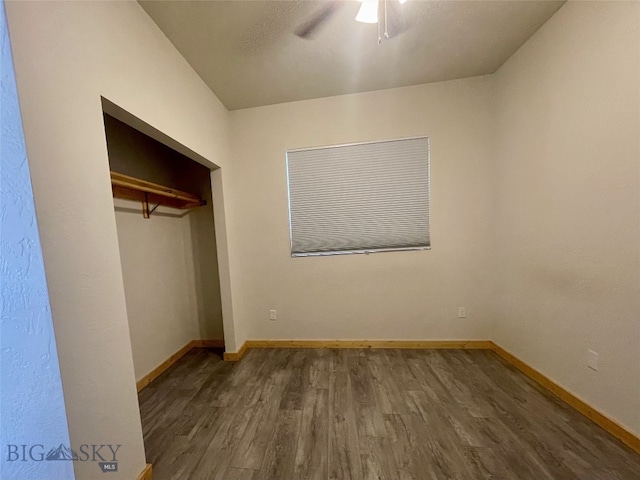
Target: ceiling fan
<point>371,11</point>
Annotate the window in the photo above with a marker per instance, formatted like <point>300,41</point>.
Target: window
<point>360,198</point>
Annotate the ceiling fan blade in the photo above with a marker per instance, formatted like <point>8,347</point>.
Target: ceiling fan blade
<point>309,28</point>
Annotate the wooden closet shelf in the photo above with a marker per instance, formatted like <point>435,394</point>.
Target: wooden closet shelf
<point>130,188</point>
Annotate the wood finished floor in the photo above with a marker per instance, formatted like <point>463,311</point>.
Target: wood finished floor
<point>290,414</point>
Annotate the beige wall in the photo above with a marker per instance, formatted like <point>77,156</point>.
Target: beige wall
<point>159,291</point>
<point>568,204</point>
<point>399,295</point>
<point>68,54</point>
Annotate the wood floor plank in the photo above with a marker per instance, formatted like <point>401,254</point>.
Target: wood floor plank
<point>402,443</point>
<point>292,398</point>
<point>313,441</point>
<point>279,459</point>
<point>241,474</point>
<point>389,392</point>
<point>309,414</point>
<point>251,449</point>
<point>377,463</point>
<point>344,459</point>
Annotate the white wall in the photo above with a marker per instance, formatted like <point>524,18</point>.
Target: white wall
<point>568,203</point>
<point>399,295</point>
<point>68,54</point>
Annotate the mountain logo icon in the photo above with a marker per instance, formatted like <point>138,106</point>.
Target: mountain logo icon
<point>61,453</point>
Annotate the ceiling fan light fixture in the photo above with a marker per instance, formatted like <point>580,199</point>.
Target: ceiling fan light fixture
<point>368,12</point>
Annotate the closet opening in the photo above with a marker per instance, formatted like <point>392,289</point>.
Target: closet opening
<point>163,207</point>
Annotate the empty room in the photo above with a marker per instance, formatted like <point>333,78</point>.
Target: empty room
<point>320,240</point>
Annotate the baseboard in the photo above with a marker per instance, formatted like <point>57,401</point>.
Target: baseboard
<point>417,344</point>
<point>160,369</point>
<point>146,474</point>
<point>235,356</point>
<point>615,429</point>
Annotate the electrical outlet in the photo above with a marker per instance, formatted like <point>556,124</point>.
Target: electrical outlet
<point>592,360</point>
<point>273,315</point>
<point>462,312</point>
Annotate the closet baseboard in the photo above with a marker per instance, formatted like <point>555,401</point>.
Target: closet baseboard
<point>160,369</point>
<point>215,343</point>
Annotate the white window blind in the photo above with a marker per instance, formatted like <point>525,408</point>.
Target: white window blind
<point>359,198</point>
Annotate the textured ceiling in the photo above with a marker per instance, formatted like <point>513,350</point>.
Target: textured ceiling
<point>248,54</point>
